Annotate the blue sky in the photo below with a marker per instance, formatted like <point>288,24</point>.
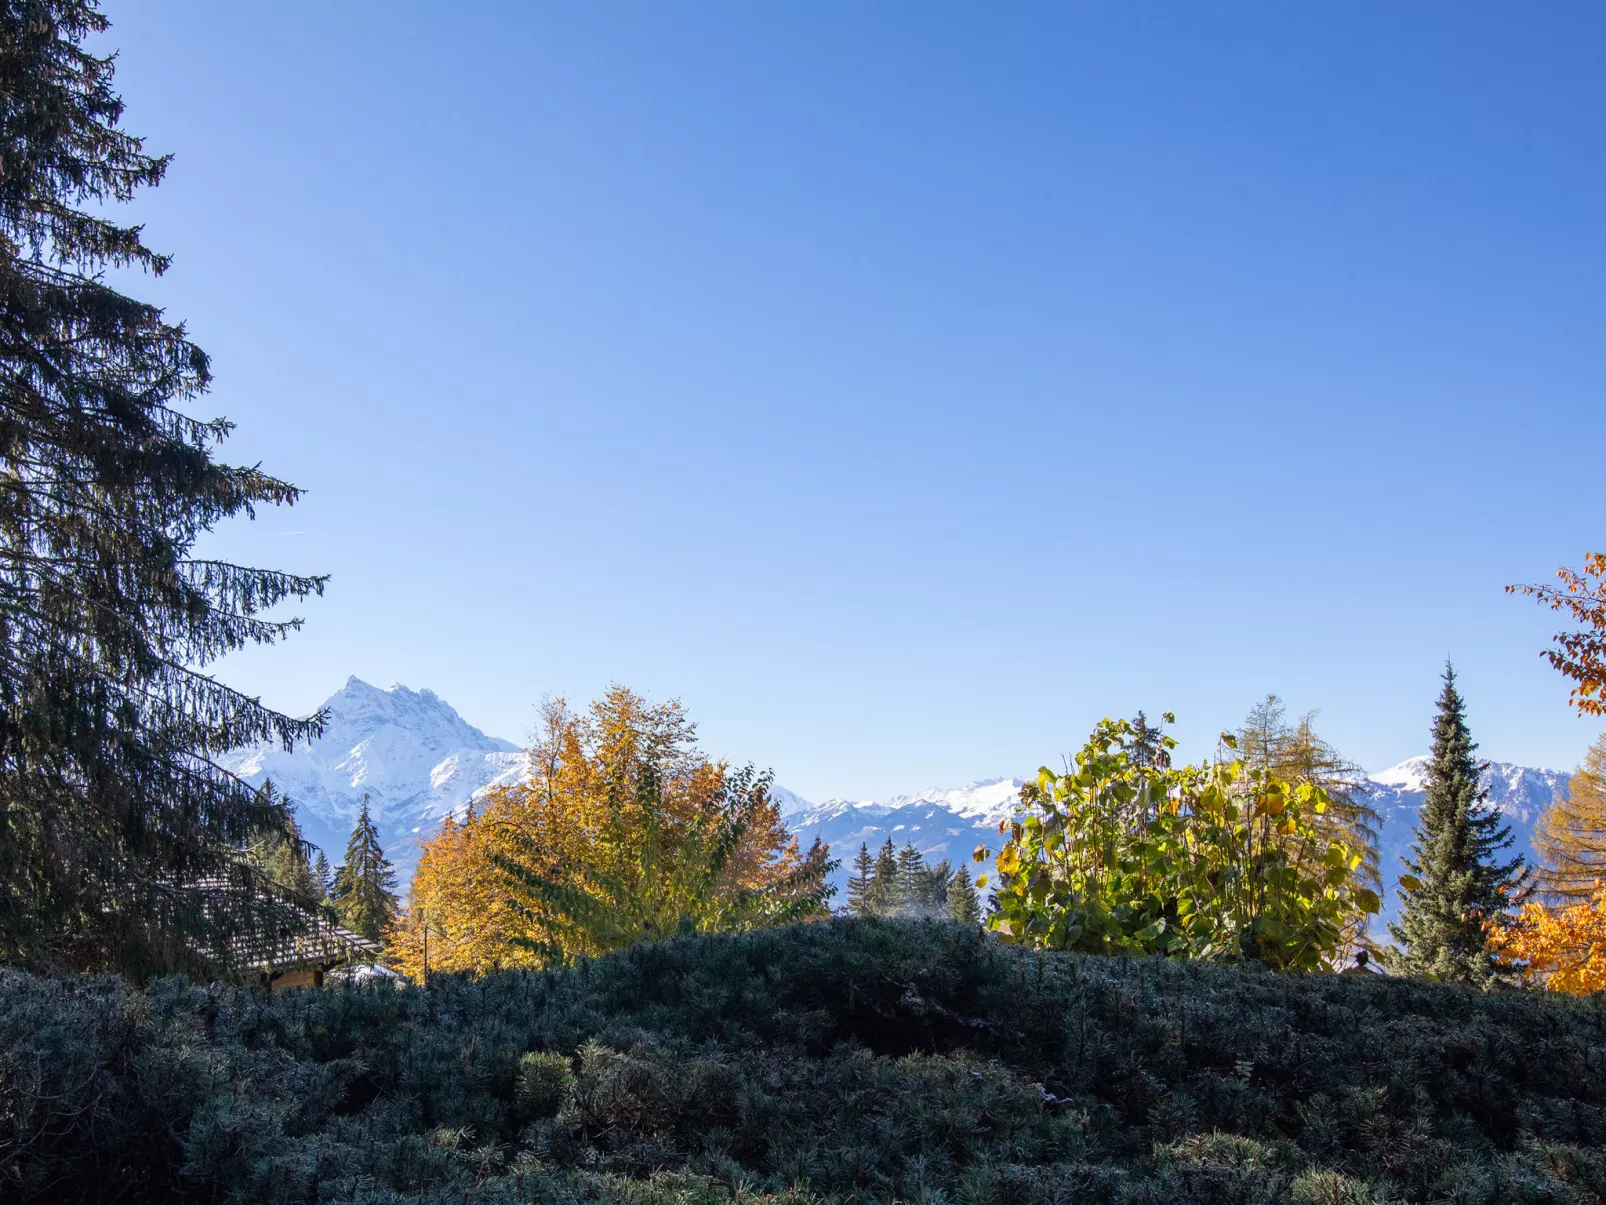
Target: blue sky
<point>903,386</point>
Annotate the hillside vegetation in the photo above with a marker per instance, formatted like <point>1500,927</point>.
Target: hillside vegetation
<point>853,1060</point>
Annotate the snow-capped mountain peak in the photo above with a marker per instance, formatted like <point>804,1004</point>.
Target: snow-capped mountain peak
<point>417,760</point>
<point>407,750</point>
<point>1409,775</point>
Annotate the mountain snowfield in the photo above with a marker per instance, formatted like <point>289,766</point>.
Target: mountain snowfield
<point>417,761</point>
<point>408,752</point>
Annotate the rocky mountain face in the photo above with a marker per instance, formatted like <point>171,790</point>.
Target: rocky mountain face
<point>408,751</point>
<point>417,760</point>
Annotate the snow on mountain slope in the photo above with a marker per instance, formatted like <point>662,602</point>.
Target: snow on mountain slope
<point>413,756</point>
<point>1518,793</point>
<point>418,760</point>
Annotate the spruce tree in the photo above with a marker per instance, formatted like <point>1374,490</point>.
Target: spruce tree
<point>937,879</point>
<point>285,857</point>
<point>365,885</point>
<point>1456,883</point>
<point>859,881</point>
<point>882,897</point>
<point>322,876</point>
<point>912,882</point>
<point>962,905</point>
<point>121,840</point>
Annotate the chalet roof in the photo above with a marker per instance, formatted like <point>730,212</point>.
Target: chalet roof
<point>284,934</point>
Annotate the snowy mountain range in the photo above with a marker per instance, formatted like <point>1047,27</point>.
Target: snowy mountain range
<point>417,760</point>
<point>408,752</point>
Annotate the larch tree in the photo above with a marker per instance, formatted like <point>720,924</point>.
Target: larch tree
<point>1458,888</point>
<point>365,885</point>
<point>623,832</point>
<point>1570,835</point>
<point>121,839</point>
<point>1292,752</point>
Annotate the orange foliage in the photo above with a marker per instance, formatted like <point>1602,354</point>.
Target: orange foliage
<point>576,820</point>
<point>1564,947</point>
<point>1580,655</point>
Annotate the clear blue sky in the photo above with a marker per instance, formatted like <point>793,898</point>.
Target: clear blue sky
<point>903,386</point>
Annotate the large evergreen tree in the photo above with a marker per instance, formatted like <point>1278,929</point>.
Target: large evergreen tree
<point>286,857</point>
<point>913,882</point>
<point>1457,883</point>
<point>120,838</point>
<point>882,896</point>
<point>365,885</point>
<point>859,881</point>
<point>962,905</point>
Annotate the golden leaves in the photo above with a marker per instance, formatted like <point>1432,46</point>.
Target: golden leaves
<point>1563,947</point>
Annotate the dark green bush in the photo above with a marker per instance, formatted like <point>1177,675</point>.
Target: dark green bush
<point>857,1060</point>
<point>544,1080</point>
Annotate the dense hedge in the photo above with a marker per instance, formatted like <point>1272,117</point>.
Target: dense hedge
<point>858,1060</point>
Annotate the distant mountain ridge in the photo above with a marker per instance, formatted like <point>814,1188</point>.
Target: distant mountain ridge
<point>418,761</point>
<point>409,751</point>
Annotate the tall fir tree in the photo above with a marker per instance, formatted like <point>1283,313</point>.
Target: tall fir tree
<point>286,857</point>
<point>912,881</point>
<point>962,906</point>
<point>859,881</point>
<point>882,897</point>
<point>1457,884</point>
<point>120,838</point>
<point>365,885</point>
<point>323,876</point>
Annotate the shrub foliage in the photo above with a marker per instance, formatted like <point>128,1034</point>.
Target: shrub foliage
<point>853,1060</point>
<point>1125,853</point>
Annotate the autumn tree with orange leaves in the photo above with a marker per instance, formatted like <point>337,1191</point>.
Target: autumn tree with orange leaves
<point>1563,948</point>
<point>624,831</point>
<point>1581,654</point>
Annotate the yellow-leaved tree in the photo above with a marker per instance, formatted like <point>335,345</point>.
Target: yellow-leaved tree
<point>1560,941</point>
<point>1562,946</point>
<point>624,831</point>
<point>1570,835</point>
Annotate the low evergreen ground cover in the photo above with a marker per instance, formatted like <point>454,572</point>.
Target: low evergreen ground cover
<point>856,1060</point>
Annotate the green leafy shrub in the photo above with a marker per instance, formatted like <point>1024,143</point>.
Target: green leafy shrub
<point>1127,854</point>
<point>851,1061</point>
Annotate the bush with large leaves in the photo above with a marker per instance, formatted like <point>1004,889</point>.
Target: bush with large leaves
<point>1125,853</point>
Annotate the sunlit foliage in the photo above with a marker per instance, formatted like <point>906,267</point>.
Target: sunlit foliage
<point>1562,946</point>
<point>1126,853</point>
<point>1579,654</point>
<point>625,831</point>
<point>1570,834</point>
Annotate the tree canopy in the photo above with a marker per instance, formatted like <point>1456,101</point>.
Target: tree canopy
<point>625,831</point>
<point>1458,887</point>
<point>1124,853</point>
<point>1579,654</point>
<point>1570,834</point>
<point>120,837</point>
